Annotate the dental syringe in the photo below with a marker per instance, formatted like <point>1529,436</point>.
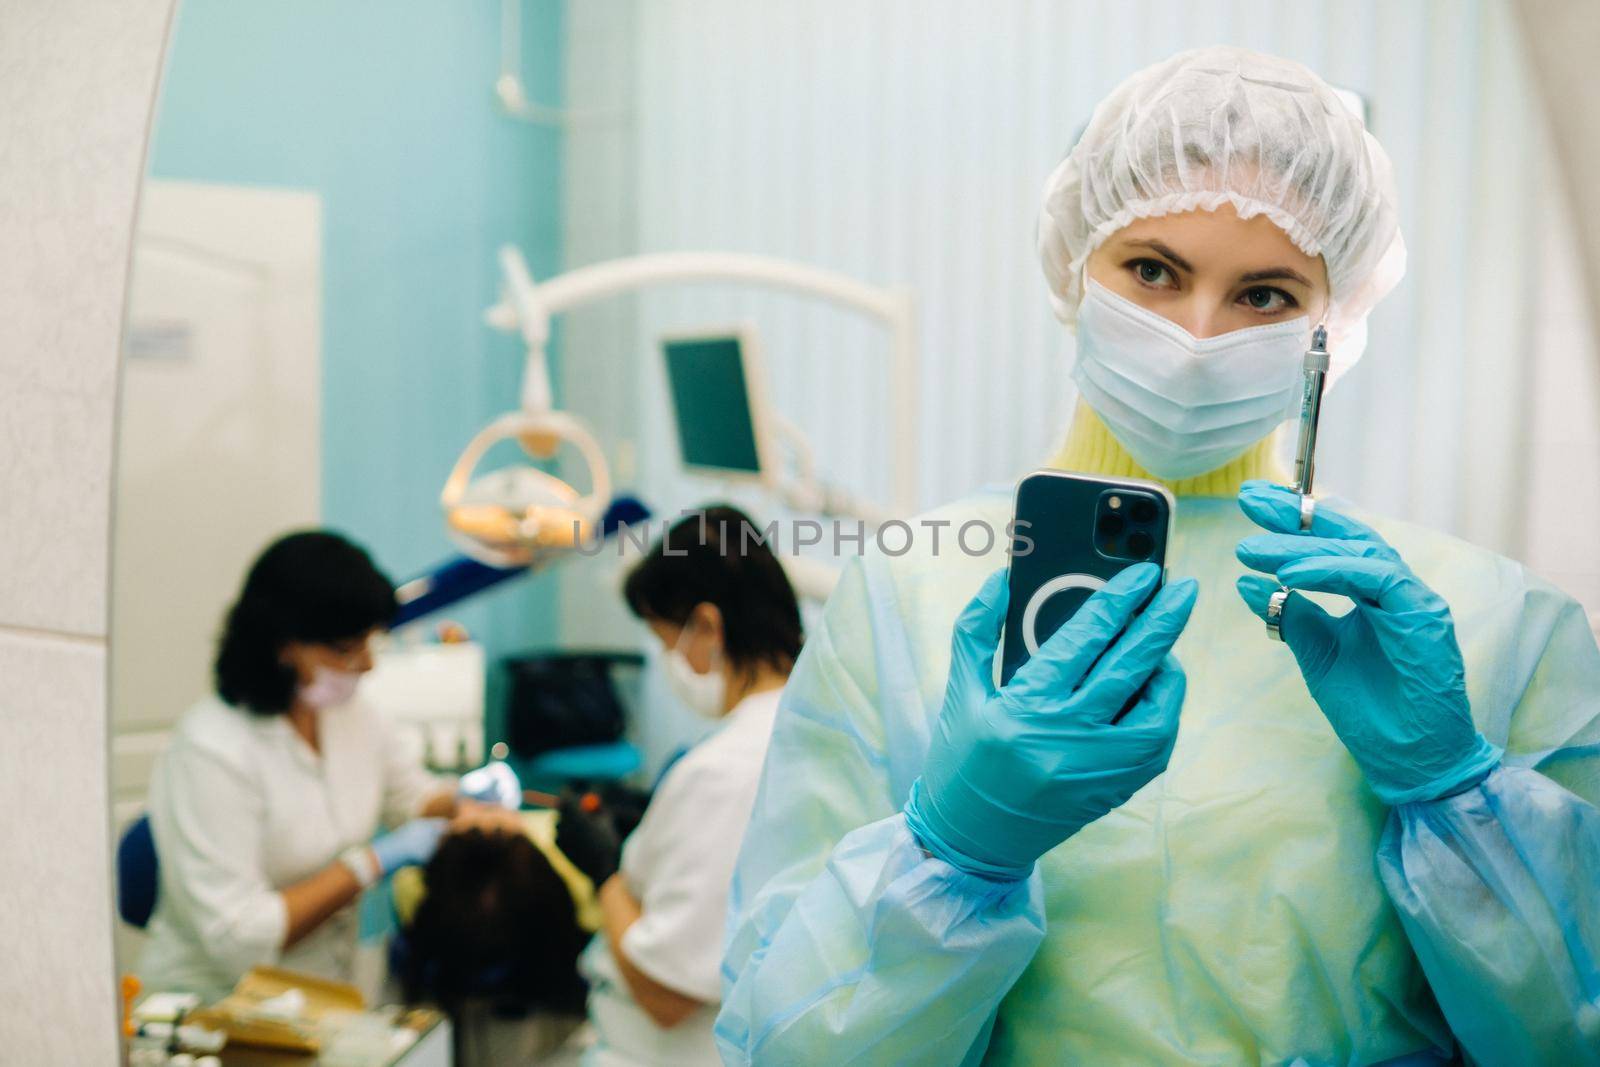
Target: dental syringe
<point>1316,371</point>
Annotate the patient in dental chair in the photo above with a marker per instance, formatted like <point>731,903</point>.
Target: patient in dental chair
<point>502,911</point>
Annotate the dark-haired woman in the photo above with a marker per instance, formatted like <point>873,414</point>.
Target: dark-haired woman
<point>718,601</point>
<point>265,804</point>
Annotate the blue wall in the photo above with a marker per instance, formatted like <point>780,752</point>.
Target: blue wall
<point>387,111</point>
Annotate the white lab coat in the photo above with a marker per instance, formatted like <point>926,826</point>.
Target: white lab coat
<point>679,863</point>
<point>241,807</point>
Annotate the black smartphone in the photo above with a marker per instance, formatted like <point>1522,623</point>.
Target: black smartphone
<point>1072,533</point>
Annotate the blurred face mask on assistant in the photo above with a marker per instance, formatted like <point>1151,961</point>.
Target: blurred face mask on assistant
<point>334,669</point>
<point>704,694</point>
<point>329,687</point>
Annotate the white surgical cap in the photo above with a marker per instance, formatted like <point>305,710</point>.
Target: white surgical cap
<point>1228,125</point>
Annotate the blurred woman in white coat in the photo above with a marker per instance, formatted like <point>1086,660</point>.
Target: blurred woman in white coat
<point>265,806</point>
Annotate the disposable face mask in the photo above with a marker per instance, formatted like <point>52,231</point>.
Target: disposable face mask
<point>1180,405</point>
<point>329,688</point>
<point>703,693</point>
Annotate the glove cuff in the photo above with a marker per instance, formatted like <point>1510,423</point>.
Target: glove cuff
<point>930,832</point>
<point>362,863</point>
<point>1466,774</point>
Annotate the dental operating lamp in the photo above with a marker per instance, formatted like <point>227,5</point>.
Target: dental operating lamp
<point>523,516</point>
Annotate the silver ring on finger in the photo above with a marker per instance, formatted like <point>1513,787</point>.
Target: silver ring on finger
<point>1275,604</point>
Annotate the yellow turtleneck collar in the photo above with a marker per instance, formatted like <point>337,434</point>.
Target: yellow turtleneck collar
<point>1090,449</point>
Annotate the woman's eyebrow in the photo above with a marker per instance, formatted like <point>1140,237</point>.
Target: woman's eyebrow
<point>1272,274</point>
<point>1165,250</point>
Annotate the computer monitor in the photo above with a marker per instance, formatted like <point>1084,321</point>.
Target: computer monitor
<point>719,399</point>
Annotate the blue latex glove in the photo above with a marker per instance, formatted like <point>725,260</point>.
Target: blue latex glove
<point>1013,772</point>
<point>1388,675</point>
<point>493,783</point>
<point>412,843</point>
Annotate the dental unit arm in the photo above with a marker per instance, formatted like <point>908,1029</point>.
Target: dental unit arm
<point>526,307</point>
<point>460,578</point>
<point>515,519</point>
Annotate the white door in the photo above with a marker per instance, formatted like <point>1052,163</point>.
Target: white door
<point>219,440</point>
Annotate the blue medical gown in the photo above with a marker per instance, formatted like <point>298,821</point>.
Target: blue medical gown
<point>1255,903</point>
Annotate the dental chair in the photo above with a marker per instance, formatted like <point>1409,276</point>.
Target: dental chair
<point>564,718</point>
<point>138,873</point>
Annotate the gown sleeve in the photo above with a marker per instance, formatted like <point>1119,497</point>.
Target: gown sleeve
<point>846,942</point>
<point>1498,887</point>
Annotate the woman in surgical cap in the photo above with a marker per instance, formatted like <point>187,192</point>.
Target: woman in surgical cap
<point>1167,839</point>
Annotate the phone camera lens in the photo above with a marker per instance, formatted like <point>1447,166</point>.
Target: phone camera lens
<point>1144,511</point>
<point>1110,525</point>
<point>1140,545</point>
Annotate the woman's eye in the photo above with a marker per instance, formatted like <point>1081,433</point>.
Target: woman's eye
<point>1150,272</point>
<point>1264,298</point>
